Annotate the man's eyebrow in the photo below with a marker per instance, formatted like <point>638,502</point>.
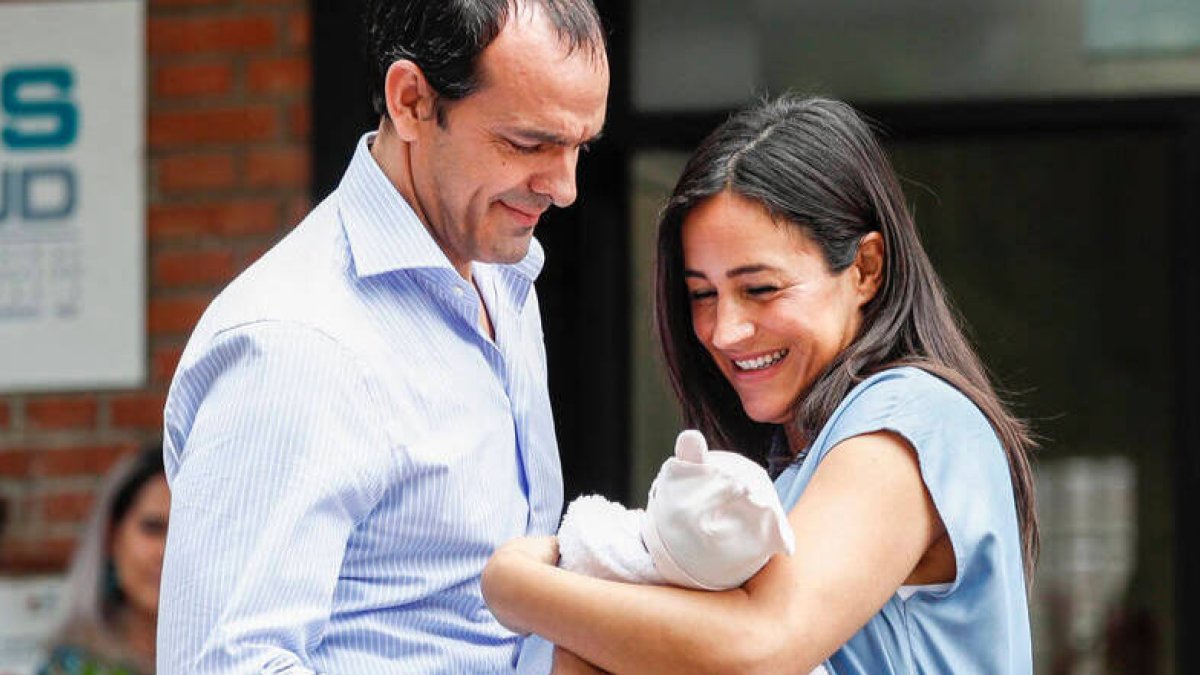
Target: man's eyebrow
<point>539,136</point>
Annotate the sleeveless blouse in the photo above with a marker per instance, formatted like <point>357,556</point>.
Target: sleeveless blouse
<point>979,623</point>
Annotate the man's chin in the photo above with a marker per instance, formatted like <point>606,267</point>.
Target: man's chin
<point>510,255</point>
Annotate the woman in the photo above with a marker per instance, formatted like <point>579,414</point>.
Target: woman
<point>112,587</point>
<point>803,324</point>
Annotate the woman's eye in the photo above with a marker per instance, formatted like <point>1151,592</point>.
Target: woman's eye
<point>761,290</point>
<point>153,526</point>
<point>697,296</point>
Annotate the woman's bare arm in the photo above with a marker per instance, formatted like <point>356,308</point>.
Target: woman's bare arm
<point>566,663</point>
<point>861,526</point>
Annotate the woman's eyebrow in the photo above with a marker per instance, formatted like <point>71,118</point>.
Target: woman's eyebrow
<point>750,269</point>
<point>735,272</point>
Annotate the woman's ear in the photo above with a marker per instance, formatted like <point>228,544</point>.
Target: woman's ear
<point>869,263</point>
<point>410,100</point>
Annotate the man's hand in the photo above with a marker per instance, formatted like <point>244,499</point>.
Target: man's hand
<point>516,557</point>
<point>542,549</point>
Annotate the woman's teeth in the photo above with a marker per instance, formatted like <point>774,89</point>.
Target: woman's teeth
<point>762,361</point>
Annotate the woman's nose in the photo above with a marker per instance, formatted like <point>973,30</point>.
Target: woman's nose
<point>733,326</point>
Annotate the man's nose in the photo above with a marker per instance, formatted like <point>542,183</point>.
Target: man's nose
<point>556,180</point>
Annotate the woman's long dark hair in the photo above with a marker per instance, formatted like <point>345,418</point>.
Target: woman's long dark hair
<point>815,164</point>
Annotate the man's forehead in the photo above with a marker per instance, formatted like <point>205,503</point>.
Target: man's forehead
<point>529,42</point>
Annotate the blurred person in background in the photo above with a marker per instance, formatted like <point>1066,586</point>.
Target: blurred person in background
<point>111,590</point>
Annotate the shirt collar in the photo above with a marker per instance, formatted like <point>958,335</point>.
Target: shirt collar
<point>385,233</point>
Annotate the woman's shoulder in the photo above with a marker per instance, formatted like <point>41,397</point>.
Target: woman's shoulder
<point>910,393</point>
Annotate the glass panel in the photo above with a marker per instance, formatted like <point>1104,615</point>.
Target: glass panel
<point>1053,248</point>
<point>654,417</point>
<point>698,54</point>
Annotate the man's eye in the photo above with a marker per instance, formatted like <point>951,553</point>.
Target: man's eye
<point>761,290</point>
<point>525,149</point>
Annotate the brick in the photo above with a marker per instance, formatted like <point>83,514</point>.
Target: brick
<point>71,507</point>
<point>189,3</point>
<point>61,412</point>
<point>193,80</point>
<point>163,362</point>
<point>299,31</point>
<point>138,411</point>
<point>206,34</point>
<point>279,76</point>
<point>5,415</point>
<point>255,253</point>
<point>171,129</point>
<point>286,167</point>
<point>37,555</point>
<point>81,460</point>
<point>16,462</point>
<point>196,173</point>
<point>300,121</point>
<point>190,268</point>
<point>225,219</point>
<point>175,315</point>
<point>296,210</point>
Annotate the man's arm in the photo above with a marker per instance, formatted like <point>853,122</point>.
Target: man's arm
<point>276,451</point>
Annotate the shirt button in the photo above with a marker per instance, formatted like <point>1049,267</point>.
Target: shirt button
<point>458,291</point>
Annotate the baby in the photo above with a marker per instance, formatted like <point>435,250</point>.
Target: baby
<point>713,520</point>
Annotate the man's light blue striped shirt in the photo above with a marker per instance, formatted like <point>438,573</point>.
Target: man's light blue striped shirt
<point>346,448</point>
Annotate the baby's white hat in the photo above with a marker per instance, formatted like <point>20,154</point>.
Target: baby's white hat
<point>713,518</point>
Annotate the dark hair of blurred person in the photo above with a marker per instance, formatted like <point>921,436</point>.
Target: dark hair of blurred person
<point>111,591</point>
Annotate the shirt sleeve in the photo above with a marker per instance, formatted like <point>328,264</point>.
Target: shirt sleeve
<point>276,449</point>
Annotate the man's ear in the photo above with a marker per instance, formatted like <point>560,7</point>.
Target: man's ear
<point>410,99</point>
<point>869,264</point>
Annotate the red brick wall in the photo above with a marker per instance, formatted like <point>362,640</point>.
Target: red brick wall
<point>227,87</point>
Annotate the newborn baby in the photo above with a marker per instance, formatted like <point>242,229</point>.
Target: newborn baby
<point>713,520</point>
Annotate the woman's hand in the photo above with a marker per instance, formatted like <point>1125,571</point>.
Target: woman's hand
<point>505,568</point>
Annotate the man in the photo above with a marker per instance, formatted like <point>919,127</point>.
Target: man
<point>361,418</point>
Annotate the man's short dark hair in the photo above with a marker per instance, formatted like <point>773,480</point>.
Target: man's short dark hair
<point>445,38</point>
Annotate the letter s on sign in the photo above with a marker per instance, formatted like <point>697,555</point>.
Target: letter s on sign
<point>41,115</point>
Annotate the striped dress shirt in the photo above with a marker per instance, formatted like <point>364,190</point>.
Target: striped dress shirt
<point>346,448</point>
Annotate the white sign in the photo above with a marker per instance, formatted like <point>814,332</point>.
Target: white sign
<point>72,196</point>
<point>30,611</point>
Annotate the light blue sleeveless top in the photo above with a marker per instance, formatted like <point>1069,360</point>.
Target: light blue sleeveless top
<point>980,622</point>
